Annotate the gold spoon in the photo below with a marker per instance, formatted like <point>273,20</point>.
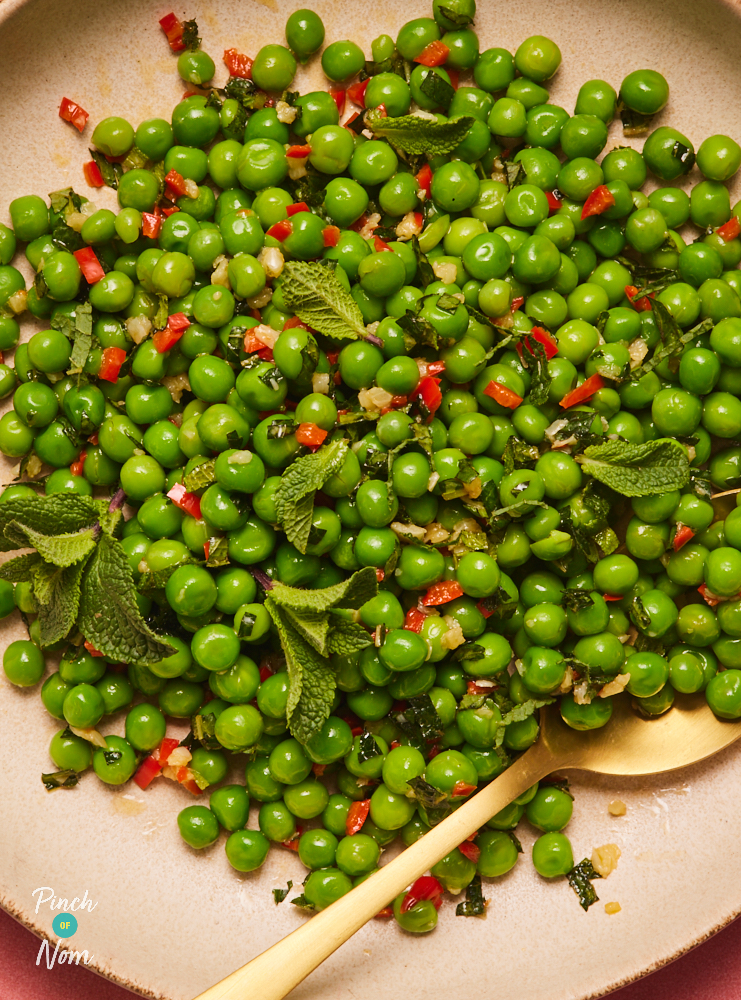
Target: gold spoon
<point>627,745</point>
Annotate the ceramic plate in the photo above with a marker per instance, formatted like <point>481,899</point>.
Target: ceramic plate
<point>168,921</point>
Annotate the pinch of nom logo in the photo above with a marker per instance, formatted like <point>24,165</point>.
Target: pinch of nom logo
<point>64,925</point>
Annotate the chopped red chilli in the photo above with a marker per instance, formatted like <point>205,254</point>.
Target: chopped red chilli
<point>357,814</point>
<point>90,266</point>
<point>186,501</point>
<point>238,65</point>
<point>73,113</point>
<point>598,202</point>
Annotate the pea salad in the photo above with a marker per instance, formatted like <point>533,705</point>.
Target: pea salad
<point>343,408</point>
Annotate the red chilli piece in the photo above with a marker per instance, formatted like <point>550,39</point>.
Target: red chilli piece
<point>357,814</point>
<point>470,851</point>
<point>682,535</point>
<point>89,265</point>
<point>339,97</point>
<point>598,202</point>
<point>93,439</point>
<point>164,341</point>
<point>73,113</point>
<point>517,302</point>
<point>173,29</point>
<point>542,336</point>
<point>454,75</point>
<point>331,236</point>
<point>728,231</point>
<point>428,391</point>
<point>380,574</point>
<point>151,225</point>
<point>612,597</point>
<point>442,593</point>
<point>92,649</point>
<point>206,549</point>
<point>186,501</point>
<point>110,363</point>
<point>310,435</point>
<point>424,179</point>
<point>414,620</point>
<point>387,911</point>
<point>238,64</point>
<point>434,54</point>
<point>77,466</point>
<point>583,392</point>
<point>486,612</point>
<point>298,152</point>
<point>461,789</point>
<point>265,672</point>
<point>640,305</point>
<point>280,230</point>
<point>554,203</point>
<point>502,395</point>
<point>380,245</point>
<point>426,887</point>
<point>92,174</point>
<point>300,206</point>
<point>177,182</point>
<point>356,92</point>
<point>435,367</point>
<point>165,748</point>
<point>149,769</point>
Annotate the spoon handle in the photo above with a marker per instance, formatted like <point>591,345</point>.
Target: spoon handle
<point>274,973</point>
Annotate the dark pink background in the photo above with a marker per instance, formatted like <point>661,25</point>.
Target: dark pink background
<point>710,972</point>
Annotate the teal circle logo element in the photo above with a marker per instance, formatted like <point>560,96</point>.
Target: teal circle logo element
<point>64,925</point>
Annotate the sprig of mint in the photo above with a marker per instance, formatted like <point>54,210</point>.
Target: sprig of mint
<point>314,293</point>
<point>311,678</point>
<point>294,498</point>
<point>310,632</point>
<point>638,470</point>
<point>416,135</point>
<point>80,573</point>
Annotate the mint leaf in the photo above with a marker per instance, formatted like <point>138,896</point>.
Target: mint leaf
<point>437,89</point>
<point>58,594</point>
<point>460,20</point>
<point>20,569</point>
<point>346,637</point>
<point>314,293</point>
<point>417,136</point>
<point>59,550</point>
<point>475,904</point>
<point>351,593</point>
<point>60,779</point>
<point>311,677</point>
<point>82,337</point>
<point>518,714</point>
<point>638,470</point>
<point>200,477</point>
<point>313,626</point>
<point>580,879</point>
<point>294,498</point>
<point>60,513</point>
<point>109,616</point>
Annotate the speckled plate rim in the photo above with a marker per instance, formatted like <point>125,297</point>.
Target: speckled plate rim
<point>595,995</point>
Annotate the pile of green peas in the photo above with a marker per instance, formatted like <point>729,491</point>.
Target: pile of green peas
<point>516,260</point>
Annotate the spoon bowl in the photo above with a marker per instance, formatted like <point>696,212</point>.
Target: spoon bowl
<point>628,745</point>
<point>631,744</point>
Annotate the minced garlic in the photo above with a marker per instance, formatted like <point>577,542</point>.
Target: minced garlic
<point>617,808</point>
<point>605,859</point>
<point>612,908</point>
